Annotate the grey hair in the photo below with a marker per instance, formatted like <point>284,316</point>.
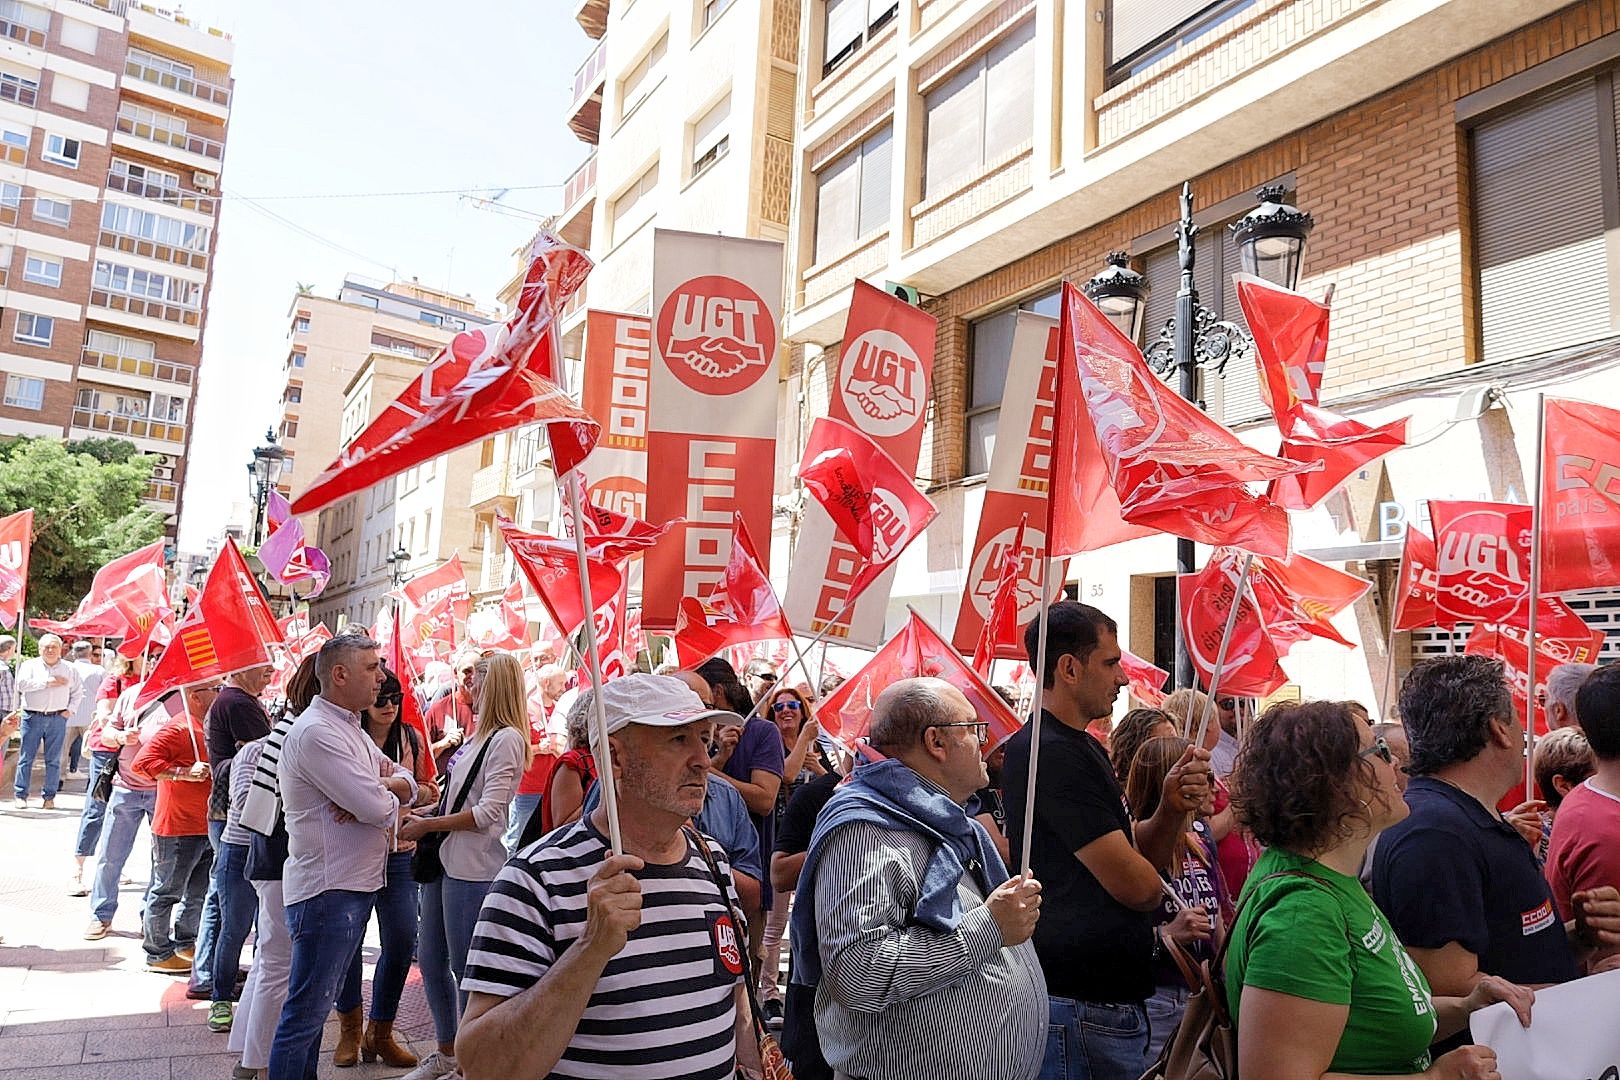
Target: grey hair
<point>46,639</point>
<point>7,642</point>
<point>1564,681</point>
<point>337,651</point>
<point>903,711</point>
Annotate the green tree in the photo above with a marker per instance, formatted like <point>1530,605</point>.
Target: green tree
<point>86,499</point>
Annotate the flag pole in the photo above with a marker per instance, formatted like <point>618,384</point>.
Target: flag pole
<point>1535,600</point>
<point>1035,708</point>
<point>1226,640</point>
<point>1389,664</point>
<point>603,753</point>
<point>799,655</point>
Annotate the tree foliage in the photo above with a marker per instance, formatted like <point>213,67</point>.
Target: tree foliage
<point>86,499</point>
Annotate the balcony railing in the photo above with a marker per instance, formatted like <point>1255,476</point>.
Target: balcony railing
<point>12,154</point>
<point>150,367</point>
<point>138,426</point>
<point>583,180</point>
<point>151,249</point>
<point>489,483</point>
<point>180,140</point>
<point>25,34</point>
<point>589,75</point>
<point>189,85</point>
<point>146,189</point>
<point>140,305</point>
<point>160,490</point>
<point>117,7</point>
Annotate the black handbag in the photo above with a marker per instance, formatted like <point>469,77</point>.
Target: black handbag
<point>102,789</point>
<point>426,864</point>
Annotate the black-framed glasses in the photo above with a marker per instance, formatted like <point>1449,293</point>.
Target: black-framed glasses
<point>784,706</point>
<point>1379,748</point>
<point>385,700</point>
<point>983,733</point>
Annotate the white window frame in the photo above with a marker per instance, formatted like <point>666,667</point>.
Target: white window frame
<point>42,270</point>
<point>709,146</point>
<point>872,15</point>
<point>44,210</point>
<point>15,399</point>
<point>33,336</point>
<point>625,219</point>
<point>712,10</point>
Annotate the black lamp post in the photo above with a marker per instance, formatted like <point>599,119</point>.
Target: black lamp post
<point>396,561</point>
<point>1271,245</point>
<point>268,462</point>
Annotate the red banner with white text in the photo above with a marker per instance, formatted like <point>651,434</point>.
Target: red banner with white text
<point>1580,497</point>
<point>16,538</point>
<point>614,392</point>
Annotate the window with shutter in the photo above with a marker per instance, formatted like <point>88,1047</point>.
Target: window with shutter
<point>981,113</point>
<point>852,196</point>
<point>849,25</point>
<point>1009,112</point>
<point>1139,33</point>
<point>709,136</point>
<point>955,110</point>
<point>877,157</point>
<point>990,351</point>
<point>637,83</point>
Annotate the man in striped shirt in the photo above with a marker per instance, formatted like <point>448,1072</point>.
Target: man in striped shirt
<point>591,964</point>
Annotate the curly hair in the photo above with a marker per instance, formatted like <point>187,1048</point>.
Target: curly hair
<point>1133,729</point>
<point>1300,780</point>
<point>1448,705</point>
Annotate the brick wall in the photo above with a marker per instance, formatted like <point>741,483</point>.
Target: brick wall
<point>1387,183</point>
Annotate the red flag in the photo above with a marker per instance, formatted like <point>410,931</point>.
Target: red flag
<point>97,614</point>
<point>870,499</point>
<point>16,538</point>
<point>1565,639</point>
<point>609,622</point>
<point>552,567</point>
<point>405,670</point>
<point>1338,444</point>
<point>220,635</point>
<point>143,605</point>
<point>915,651</point>
<point>1419,583</point>
<point>1290,343</point>
<point>1580,496</point>
<point>1298,596</point>
<point>743,607</point>
<point>486,380</point>
<point>612,535</point>
<point>505,627</point>
<point>1252,668</point>
<point>1147,680</point>
<point>1001,629</point>
<point>446,581</point>
<point>1482,561</point>
<point>1173,468</point>
<point>428,632</point>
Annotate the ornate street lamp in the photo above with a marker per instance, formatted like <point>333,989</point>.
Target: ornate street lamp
<point>396,561</point>
<point>1121,294</point>
<point>1271,238</point>
<point>269,461</point>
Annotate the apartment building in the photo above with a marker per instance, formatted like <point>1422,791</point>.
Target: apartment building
<point>113,119</point>
<point>983,151</point>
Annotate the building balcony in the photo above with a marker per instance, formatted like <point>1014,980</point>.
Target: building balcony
<point>144,366</point>
<point>585,108</point>
<point>27,35</point>
<point>184,141</point>
<point>592,16</point>
<point>579,201</point>
<point>161,491</point>
<point>151,249</point>
<point>147,308</point>
<point>139,427</point>
<point>491,485</point>
<point>186,86</point>
<point>146,189</point>
<point>112,7</point>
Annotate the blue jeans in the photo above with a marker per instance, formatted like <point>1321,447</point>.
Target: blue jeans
<point>121,825</point>
<point>449,914</point>
<point>202,971</point>
<point>94,809</point>
<point>1090,1040</point>
<point>395,905</point>
<point>516,817</point>
<point>238,905</point>
<point>50,731</point>
<point>180,871</point>
<point>325,931</point>
<point>1164,1011</point>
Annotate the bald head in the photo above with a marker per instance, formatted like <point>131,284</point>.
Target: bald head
<point>699,686</point>
<point>904,710</point>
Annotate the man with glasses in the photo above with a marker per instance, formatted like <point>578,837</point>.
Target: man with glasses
<point>450,718</point>
<point>1223,755</point>
<point>49,690</point>
<point>907,924</point>
<point>759,677</point>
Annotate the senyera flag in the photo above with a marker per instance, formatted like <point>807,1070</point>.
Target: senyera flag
<point>16,538</point>
<point>742,608</point>
<point>1419,585</point>
<point>916,651</point>
<point>881,387</point>
<point>1002,630</point>
<point>148,618</point>
<point>1580,496</point>
<point>223,633</point>
<point>487,380</point>
<point>1173,468</point>
<point>1252,666</point>
<point>870,499</point>
<point>97,614</point>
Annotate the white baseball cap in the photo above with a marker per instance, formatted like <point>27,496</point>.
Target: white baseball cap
<point>656,701</point>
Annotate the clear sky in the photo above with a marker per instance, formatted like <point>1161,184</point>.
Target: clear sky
<point>337,105</point>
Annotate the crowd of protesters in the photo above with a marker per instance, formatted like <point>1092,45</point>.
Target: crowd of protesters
<point>1355,883</point>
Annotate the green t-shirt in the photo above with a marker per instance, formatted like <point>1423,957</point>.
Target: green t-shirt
<point>1324,939</point>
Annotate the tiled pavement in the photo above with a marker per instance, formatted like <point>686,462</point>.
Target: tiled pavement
<point>72,1009</point>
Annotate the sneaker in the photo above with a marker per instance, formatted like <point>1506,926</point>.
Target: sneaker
<point>170,965</point>
<point>97,930</point>
<point>772,1008</point>
<point>48,804</point>
<point>432,1067</point>
<point>77,887</point>
<point>20,803</point>
<point>219,1017</point>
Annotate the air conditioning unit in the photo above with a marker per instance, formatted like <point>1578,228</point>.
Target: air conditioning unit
<point>205,181</point>
<point>163,472</point>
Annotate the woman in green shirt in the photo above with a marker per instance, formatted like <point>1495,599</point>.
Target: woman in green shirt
<point>1317,983</point>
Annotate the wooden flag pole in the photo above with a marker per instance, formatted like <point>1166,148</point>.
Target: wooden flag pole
<point>1389,662</point>
<point>603,753</point>
<point>1220,656</point>
<point>1535,600</point>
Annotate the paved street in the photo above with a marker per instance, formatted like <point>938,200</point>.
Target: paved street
<point>72,1009</point>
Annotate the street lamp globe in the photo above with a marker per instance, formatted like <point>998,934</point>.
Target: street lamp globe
<point>1121,294</point>
<point>1271,238</point>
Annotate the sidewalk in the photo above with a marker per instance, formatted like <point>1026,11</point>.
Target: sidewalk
<point>72,1009</point>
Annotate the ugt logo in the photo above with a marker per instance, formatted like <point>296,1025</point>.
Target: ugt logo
<point>716,335</point>
<point>880,379</point>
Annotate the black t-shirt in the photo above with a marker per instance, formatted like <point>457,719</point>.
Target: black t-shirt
<point>990,803</point>
<point>799,819</point>
<point>235,718</point>
<point>1092,947</point>
<point>1455,871</point>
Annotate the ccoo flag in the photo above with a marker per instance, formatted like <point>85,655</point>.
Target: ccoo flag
<point>1580,496</point>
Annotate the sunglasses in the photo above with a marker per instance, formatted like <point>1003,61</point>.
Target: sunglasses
<point>784,706</point>
<point>385,700</point>
<point>1379,748</point>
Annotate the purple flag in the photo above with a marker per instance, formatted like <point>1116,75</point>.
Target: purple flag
<point>287,556</point>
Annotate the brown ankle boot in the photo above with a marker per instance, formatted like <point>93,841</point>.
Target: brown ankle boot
<point>348,1047</point>
<point>379,1043</point>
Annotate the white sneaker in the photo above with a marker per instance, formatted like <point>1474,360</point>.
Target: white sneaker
<point>433,1067</point>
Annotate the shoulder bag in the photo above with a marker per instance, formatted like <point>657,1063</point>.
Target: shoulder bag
<point>426,864</point>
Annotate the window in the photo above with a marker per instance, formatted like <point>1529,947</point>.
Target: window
<point>130,221</point>
<point>295,395</point>
<point>24,392</point>
<point>10,196</point>
<point>289,429</point>
<point>170,409</point>
<point>626,216</point>
<point>61,150</point>
<point>146,176</point>
<point>43,270</point>
<point>80,36</point>
<point>1140,33</point>
<point>713,9</point>
<point>637,83</point>
<point>990,345</point>
<point>430,318</point>
<point>301,325</point>
<point>69,93</point>
<point>427,530</point>
<point>25,15</point>
<point>55,211</point>
<point>852,196</point>
<point>296,359</point>
<point>16,88</point>
<point>145,283</point>
<point>486,453</point>
<point>164,64</point>
<point>34,329</point>
<point>709,138</point>
<point>982,113</point>
<point>849,25</point>
<point>117,345</point>
<point>14,145</point>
